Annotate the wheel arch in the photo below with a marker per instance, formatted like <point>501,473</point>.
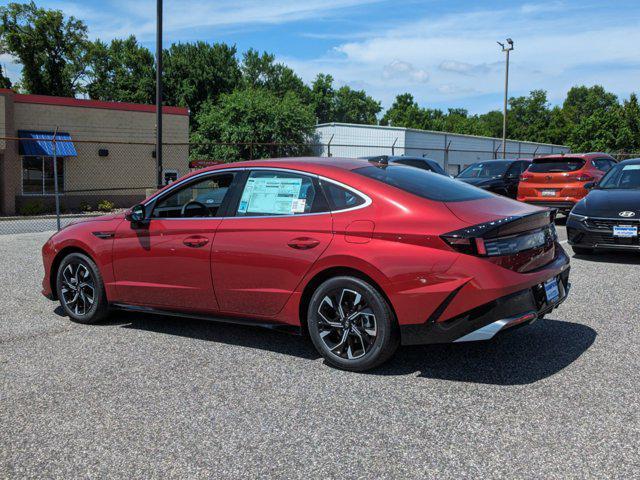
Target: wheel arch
<point>53,273</point>
<point>330,272</point>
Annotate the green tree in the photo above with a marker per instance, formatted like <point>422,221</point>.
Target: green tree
<point>51,48</point>
<point>528,117</point>
<point>629,136</point>
<point>404,112</point>
<point>355,106</point>
<point>489,124</point>
<point>255,116</point>
<point>195,73</point>
<point>261,71</point>
<point>122,71</point>
<point>4,81</point>
<point>582,102</point>
<point>323,98</point>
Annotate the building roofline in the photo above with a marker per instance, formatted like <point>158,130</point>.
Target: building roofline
<point>417,130</point>
<point>85,103</point>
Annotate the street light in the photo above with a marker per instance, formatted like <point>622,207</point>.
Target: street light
<point>505,48</point>
<point>159,92</point>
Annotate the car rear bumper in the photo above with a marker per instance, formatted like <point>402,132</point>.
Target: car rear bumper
<point>485,321</point>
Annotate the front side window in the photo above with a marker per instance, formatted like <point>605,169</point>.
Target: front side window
<point>201,198</point>
<point>424,184</point>
<point>268,193</point>
<point>38,175</point>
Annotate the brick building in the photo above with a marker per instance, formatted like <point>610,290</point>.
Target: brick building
<point>105,150</point>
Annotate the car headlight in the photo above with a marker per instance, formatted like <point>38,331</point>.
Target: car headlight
<point>577,217</point>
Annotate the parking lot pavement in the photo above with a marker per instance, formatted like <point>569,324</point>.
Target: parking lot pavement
<point>149,397</point>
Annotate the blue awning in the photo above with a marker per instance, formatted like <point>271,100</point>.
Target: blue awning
<point>34,143</point>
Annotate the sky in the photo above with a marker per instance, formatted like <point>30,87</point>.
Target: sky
<point>443,52</point>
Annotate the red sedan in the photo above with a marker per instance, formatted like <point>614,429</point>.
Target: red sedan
<point>360,255</point>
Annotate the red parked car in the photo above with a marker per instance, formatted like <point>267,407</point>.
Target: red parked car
<point>558,181</point>
<point>360,255</point>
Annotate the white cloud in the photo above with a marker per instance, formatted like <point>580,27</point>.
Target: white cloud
<point>552,52</point>
<point>398,69</point>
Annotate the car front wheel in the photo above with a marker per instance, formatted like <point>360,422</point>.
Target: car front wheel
<point>351,324</point>
<point>80,289</point>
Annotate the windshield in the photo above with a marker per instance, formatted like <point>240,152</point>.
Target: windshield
<point>621,177</point>
<point>485,170</point>
<point>425,184</point>
<point>560,164</point>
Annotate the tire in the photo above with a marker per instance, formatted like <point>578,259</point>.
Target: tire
<point>81,290</point>
<point>362,334</point>
<point>582,250</point>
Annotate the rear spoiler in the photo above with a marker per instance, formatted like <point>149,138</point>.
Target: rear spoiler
<point>507,225</point>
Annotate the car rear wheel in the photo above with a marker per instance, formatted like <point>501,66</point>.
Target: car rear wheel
<point>351,324</point>
<point>582,250</point>
<point>81,289</point>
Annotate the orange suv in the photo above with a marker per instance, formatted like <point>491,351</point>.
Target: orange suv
<point>558,181</point>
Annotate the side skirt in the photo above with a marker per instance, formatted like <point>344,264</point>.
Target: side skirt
<point>282,327</point>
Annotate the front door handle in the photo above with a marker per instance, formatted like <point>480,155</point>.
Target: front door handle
<point>195,241</point>
<point>303,243</point>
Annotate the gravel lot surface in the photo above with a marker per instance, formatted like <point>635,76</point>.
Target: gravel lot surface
<point>155,397</point>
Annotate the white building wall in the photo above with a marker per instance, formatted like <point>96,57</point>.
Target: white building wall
<point>348,140</point>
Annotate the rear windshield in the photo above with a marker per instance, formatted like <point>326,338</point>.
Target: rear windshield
<point>494,169</point>
<point>423,183</point>
<point>560,164</point>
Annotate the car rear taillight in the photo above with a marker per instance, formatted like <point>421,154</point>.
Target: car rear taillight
<point>507,236</point>
<point>525,177</point>
<point>581,177</point>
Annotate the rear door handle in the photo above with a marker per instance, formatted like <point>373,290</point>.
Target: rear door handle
<point>303,243</point>
<point>195,241</point>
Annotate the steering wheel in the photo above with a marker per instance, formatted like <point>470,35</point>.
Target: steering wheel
<point>201,206</point>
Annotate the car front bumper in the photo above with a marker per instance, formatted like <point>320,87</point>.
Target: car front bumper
<point>484,322</point>
<point>597,233</point>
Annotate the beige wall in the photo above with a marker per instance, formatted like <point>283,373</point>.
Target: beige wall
<point>123,174</point>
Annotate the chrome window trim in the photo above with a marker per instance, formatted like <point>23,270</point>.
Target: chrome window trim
<point>367,199</point>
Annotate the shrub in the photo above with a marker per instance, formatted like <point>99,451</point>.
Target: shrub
<point>85,207</point>
<point>106,206</point>
<point>33,207</point>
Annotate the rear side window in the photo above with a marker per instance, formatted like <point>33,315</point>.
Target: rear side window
<point>560,164</point>
<point>341,198</point>
<point>439,188</point>
<point>268,193</point>
<point>603,164</point>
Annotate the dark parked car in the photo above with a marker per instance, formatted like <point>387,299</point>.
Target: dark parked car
<point>417,162</point>
<point>497,176</point>
<point>609,216</point>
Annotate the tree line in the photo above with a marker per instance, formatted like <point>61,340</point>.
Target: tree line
<point>249,97</point>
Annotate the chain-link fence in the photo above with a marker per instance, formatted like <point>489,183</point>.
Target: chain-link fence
<point>46,184</point>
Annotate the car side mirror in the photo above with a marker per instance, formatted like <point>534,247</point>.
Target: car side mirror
<point>137,214</point>
<point>590,185</point>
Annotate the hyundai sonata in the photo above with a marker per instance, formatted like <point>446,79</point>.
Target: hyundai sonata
<point>361,256</point>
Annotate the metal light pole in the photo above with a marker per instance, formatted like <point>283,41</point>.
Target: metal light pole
<point>159,91</point>
<point>505,49</point>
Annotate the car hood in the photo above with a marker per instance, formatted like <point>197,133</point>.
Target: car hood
<point>100,218</point>
<point>489,209</point>
<point>609,203</point>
